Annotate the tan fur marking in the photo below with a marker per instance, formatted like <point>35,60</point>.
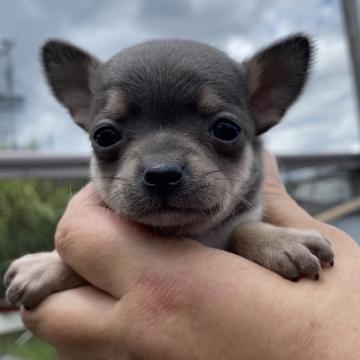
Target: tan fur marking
<point>209,102</point>
<point>116,102</point>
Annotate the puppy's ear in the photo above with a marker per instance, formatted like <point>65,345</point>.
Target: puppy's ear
<point>70,72</point>
<point>276,76</point>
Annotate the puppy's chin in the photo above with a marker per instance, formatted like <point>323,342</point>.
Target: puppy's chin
<point>168,219</point>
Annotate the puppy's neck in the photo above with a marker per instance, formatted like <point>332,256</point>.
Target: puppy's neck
<point>216,235</point>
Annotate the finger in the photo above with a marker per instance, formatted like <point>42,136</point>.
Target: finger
<point>73,318</point>
<point>109,251</point>
<point>280,209</point>
<point>87,195</point>
<point>271,170</point>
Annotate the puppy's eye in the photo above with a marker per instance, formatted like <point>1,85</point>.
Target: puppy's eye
<point>225,129</point>
<point>107,136</point>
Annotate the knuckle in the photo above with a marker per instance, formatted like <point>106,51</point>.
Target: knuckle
<point>64,236</point>
<point>47,322</point>
<point>71,233</point>
<point>30,321</point>
<point>37,321</point>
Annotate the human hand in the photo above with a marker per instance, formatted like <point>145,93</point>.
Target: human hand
<point>159,298</point>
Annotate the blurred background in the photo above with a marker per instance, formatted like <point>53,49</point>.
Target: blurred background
<point>44,156</point>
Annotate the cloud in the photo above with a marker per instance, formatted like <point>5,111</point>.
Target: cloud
<point>239,47</point>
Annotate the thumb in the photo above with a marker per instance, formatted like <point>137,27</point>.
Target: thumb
<point>279,207</point>
<point>282,210</point>
<point>272,176</point>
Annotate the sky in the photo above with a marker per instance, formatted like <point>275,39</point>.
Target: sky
<point>324,120</point>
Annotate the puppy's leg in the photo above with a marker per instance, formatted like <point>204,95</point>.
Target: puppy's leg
<point>33,277</point>
<point>289,252</point>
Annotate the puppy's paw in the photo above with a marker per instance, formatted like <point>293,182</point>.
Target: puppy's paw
<point>296,253</point>
<point>33,277</point>
<point>289,252</point>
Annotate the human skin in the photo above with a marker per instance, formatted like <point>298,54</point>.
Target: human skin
<point>159,298</point>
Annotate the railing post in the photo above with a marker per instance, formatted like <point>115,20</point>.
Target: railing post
<point>355,182</point>
<point>350,9</point>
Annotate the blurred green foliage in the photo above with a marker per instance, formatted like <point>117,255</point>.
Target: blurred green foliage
<point>35,349</point>
<point>29,212</point>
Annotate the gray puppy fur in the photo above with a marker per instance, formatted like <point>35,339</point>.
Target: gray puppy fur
<point>175,126</point>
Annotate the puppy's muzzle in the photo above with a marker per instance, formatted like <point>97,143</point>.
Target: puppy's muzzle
<point>163,178</point>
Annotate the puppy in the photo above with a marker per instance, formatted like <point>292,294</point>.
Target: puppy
<point>175,126</point>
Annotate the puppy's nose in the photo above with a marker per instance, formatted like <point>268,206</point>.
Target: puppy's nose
<point>163,178</point>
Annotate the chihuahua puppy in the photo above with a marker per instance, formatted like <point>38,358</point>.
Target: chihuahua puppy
<point>175,127</point>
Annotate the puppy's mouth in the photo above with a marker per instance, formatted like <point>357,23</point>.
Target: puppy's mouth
<point>169,216</point>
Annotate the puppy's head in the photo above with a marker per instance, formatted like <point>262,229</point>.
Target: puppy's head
<point>174,123</point>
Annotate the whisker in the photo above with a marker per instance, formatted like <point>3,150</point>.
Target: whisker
<point>249,205</point>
